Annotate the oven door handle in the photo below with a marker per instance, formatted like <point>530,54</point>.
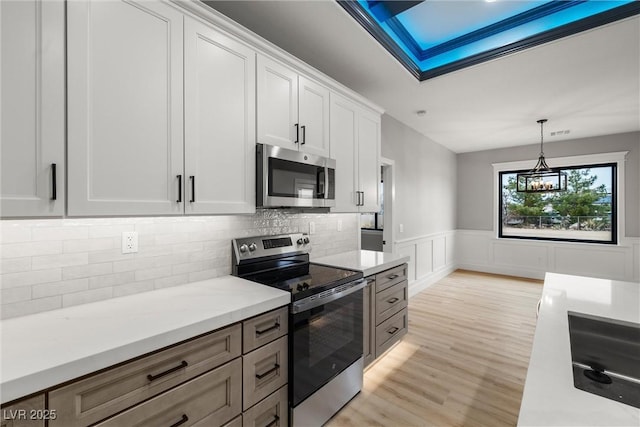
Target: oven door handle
<point>327,296</point>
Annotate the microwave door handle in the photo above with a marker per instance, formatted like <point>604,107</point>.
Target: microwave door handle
<point>326,182</point>
<point>320,182</point>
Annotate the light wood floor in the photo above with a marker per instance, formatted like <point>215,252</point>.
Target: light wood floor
<point>463,362</point>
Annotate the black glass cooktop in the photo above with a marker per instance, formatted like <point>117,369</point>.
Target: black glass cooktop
<point>303,279</point>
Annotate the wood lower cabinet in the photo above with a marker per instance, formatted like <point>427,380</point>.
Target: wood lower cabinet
<point>212,399</point>
<point>102,395</point>
<point>204,381</point>
<point>29,412</point>
<point>273,411</point>
<point>386,299</point>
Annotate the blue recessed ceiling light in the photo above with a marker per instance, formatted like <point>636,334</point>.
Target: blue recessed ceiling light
<point>434,37</point>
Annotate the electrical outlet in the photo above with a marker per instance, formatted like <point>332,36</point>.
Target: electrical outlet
<point>402,228</point>
<point>312,227</point>
<point>129,242</point>
<point>339,225</point>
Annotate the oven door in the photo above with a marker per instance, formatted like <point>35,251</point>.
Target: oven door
<point>326,338</point>
<point>292,178</point>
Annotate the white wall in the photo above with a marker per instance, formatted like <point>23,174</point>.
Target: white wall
<point>53,263</point>
<point>424,202</point>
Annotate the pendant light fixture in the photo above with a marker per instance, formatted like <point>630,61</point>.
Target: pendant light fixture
<point>541,179</point>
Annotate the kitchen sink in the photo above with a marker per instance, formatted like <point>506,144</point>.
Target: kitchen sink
<point>605,354</point>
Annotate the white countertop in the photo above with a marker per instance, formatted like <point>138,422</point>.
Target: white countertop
<point>46,349</point>
<point>549,398</point>
<point>369,262</point>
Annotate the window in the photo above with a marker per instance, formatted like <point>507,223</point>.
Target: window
<point>586,212</point>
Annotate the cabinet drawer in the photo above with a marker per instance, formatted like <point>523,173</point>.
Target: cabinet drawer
<point>264,371</point>
<point>211,399</point>
<point>391,277</point>
<point>390,331</point>
<point>390,301</point>
<point>265,328</point>
<point>273,411</point>
<point>26,413</point>
<point>236,422</point>
<point>99,396</point>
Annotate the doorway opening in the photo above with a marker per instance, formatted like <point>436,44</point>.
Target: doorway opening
<point>376,227</point>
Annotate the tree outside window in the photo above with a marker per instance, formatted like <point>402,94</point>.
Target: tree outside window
<point>585,212</point>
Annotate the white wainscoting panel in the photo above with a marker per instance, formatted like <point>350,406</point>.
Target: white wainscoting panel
<point>520,255</point>
<point>424,258</point>
<point>432,257</point>
<point>481,251</point>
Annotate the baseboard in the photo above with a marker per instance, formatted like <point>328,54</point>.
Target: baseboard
<point>423,283</point>
<point>506,271</point>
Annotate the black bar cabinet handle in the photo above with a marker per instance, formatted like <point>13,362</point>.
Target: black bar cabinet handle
<point>304,135</point>
<point>393,330</point>
<point>362,199</point>
<point>54,183</point>
<point>271,328</point>
<point>182,364</point>
<point>392,300</point>
<point>179,188</point>
<point>393,276</point>
<point>261,376</point>
<point>274,421</point>
<point>193,188</point>
<point>297,133</point>
<point>182,420</point>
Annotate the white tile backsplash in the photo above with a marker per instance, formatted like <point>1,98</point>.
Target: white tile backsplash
<point>47,264</point>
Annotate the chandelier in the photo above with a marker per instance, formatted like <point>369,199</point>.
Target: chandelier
<point>541,179</point>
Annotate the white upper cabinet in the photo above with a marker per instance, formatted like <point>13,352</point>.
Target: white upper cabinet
<point>313,116</point>
<point>355,144</point>
<point>125,108</point>
<point>293,111</point>
<point>32,115</point>
<point>219,122</point>
<point>369,160</point>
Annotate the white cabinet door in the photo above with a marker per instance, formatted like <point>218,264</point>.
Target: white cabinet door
<point>277,104</point>
<point>313,117</point>
<point>125,93</point>
<point>343,141</point>
<point>369,161</point>
<point>32,120</point>
<point>219,122</point>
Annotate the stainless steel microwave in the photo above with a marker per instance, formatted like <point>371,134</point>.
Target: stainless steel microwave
<point>289,178</point>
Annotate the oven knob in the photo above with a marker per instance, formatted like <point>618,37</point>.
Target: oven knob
<point>305,286</point>
<point>244,248</point>
<point>305,240</point>
<point>299,288</point>
<point>299,241</point>
<point>252,247</point>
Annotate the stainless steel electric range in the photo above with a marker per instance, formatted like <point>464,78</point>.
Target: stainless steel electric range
<point>325,321</point>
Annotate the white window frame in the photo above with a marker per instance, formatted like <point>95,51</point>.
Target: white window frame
<point>618,157</point>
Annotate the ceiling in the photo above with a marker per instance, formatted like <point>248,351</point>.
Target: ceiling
<point>587,83</point>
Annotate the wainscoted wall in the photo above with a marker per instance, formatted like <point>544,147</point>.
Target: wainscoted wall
<point>54,263</point>
<point>432,257</point>
<point>482,251</point>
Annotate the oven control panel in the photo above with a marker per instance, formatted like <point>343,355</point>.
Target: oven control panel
<point>261,246</point>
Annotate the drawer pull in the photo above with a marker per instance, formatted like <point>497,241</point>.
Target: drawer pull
<point>393,330</point>
<point>392,300</point>
<point>183,364</point>
<point>370,281</point>
<point>271,328</point>
<point>393,276</point>
<point>182,420</point>
<point>274,421</point>
<point>261,376</point>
